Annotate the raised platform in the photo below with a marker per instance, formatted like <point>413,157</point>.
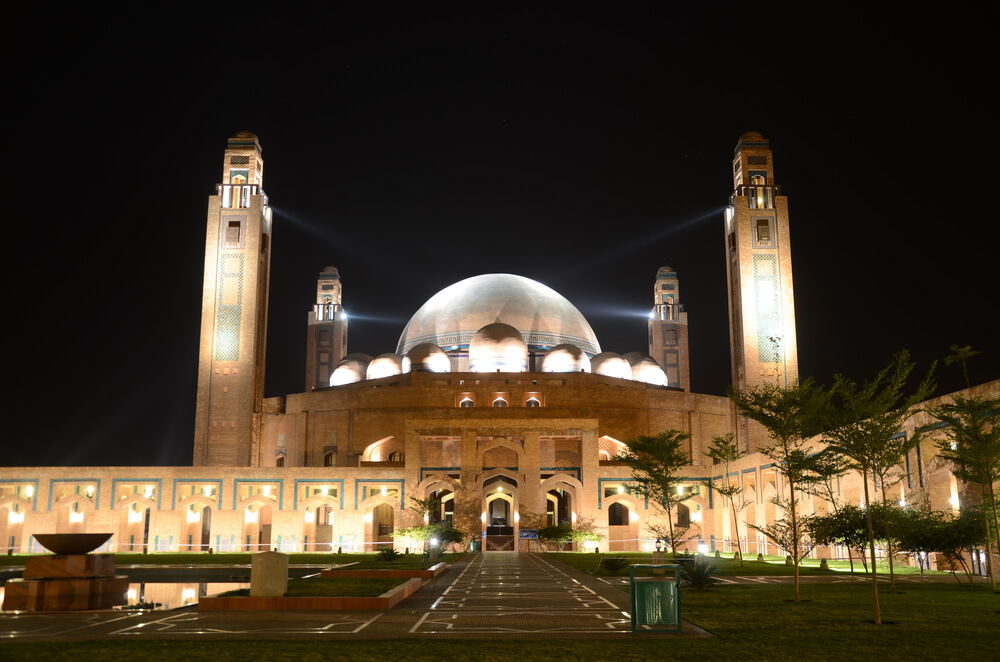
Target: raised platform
<point>387,600</point>
<point>429,573</point>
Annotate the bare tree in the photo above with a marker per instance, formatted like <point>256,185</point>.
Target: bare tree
<point>724,451</point>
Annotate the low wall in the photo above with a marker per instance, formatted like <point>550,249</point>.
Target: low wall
<point>382,602</point>
<point>430,573</point>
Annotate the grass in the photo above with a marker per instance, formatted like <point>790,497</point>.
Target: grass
<point>367,560</point>
<point>332,586</point>
<point>923,622</point>
<point>726,567</point>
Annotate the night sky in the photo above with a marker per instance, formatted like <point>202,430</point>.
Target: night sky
<point>412,151</point>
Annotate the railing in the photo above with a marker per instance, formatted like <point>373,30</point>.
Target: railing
<point>760,197</point>
<point>326,312</point>
<point>237,196</point>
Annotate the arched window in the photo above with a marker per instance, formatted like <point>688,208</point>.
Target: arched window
<point>618,515</point>
<point>499,402</point>
<point>683,515</point>
<point>532,402</point>
<point>329,459</point>
<point>280,462</point>
<point>467,402</point>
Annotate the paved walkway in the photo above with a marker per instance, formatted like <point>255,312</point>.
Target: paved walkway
<point>491,595</point>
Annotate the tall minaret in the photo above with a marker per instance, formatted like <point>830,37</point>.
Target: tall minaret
<point>759,266</point>
<point>234,311</point>
<point>326,338</point>
<point>668,330</point>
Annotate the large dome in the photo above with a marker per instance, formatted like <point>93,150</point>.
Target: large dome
<point>452,317</point>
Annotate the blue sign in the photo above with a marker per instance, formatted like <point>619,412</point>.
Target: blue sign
<point>529,534</point>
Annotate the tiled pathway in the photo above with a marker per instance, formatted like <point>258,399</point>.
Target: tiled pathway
<point>493,595</point>
<point>505,593</point>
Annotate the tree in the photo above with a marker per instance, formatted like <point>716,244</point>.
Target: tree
<point>655,462</point>
<point>863,425</point>
<point>724,451</point>
<point>797,540</point>
<point>672,533</point>
<point>441,532</point>
<point>917,532</point>
<point>788,414</point>
<point>924,532</point>
<point>560,534</point>
<point>428,510</point>
<point>827,467</point>
<point>957,534</point>
<point>846,526</point>
<point>972,445</point>
<point>961,355</point>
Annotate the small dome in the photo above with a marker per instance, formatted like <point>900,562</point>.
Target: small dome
<point>645,369</point>
<point>385,365</point>
<point>752,137</point>
<point>498,347</point>
<point>610,364</point>
<point>352,368</point>
<point>566,358</point>
<point>426,357</point>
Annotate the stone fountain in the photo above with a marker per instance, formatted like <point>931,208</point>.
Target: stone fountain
<point>71,579</point>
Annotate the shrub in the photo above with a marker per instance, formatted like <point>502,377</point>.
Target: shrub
<point>614,564</point>
<point>698,575</point>
<point>388,554</point>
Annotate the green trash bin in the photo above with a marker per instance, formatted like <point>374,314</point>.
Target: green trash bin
<point>656,600</point>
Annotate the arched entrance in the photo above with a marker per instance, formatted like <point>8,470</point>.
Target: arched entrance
<point>196,527</point>
<point>500,519</point>
<point>383,525</point>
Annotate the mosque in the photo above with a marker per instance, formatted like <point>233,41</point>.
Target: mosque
<point>498,400</point>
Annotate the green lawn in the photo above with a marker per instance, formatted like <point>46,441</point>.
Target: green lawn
<point>369,560</point>
<point>726,567</point>
<point>922,622</point>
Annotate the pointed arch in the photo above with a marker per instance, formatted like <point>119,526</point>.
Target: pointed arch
<point>609,448</point>
<point>386,449</point>
<point>497,443</point>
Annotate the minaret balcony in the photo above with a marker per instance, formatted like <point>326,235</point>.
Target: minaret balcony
<point>328,312</point>
<point>238,196</point>
<point>758,196</point>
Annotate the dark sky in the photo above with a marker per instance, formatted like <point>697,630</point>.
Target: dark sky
<point>411,151</point>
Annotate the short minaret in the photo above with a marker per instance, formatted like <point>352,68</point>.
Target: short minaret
<point>759,267</point>
<point>668,330</point>
<point>234,311</point>
<point>326,338</point>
